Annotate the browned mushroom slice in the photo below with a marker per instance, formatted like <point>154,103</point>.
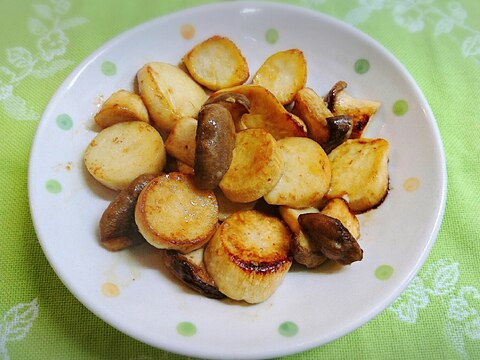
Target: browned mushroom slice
<point>118,230</point>
<point>332,94</point>
<point>215,140</point>
<point>340,129</point>
<point>236,104</point>
<point>307,252</point>
<point>190,269</point>
<point>334,240</point>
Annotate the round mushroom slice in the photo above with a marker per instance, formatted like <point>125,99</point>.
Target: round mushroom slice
<point>172,213</point>
<point>249,256</point>
<point>215,140</point>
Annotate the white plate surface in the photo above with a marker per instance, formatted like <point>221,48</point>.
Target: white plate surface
<point>133,293</point>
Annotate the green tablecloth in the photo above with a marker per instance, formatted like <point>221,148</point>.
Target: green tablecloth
<point>438,41</point>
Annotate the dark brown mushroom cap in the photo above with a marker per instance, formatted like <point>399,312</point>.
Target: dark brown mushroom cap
<point>332,94</point>
<point>192,274</point>
<point>117,224</point>
<point>334,240</point>
<point>215,140</point>
<point>340,128</point>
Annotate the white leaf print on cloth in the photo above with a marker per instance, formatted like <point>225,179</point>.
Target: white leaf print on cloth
<point>15,324</point>
<point>416,15</point>
<point>461,305</point>
<point>42,62</point>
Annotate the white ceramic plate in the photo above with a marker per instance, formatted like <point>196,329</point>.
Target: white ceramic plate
<point>133,293</point>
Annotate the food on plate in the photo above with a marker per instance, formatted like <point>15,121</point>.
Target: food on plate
<point>217,63</point>
<point>121,152</point>
<point>340,102</point>
<point>332,93</point>
<point>215,140</point>
<point>121,106</point>
<point>313,111</point>
<point>304,251</point>
<point>360,172</point>
<point>266,112</point>
<point>169,94</point>
<point>118,229</point>
<point>307,252</point>
<point>190,269</point>
<point>331,237</point>
<point>227,207</point>
<point>249,256</point>
<point>184,168</point>
<point>256,166</point>
<point>180,142</point>
<point>284,74</point>
<point>340,128</point>
<point>172,213</point>
<point>236,104</point>
<point>250,178</point>
<point>306,174</point>
<point>338,208</point>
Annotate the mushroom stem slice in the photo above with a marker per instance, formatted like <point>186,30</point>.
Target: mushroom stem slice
<point>334,240</point>
<point>190,269</point>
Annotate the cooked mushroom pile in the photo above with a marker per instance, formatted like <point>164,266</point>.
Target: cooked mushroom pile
<point>236,181</point>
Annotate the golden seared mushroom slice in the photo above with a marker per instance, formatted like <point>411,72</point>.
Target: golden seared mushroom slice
<point>306,175</point>
<point>169,94</point>
<point>360,173</point>
<point>255,169</point>
<point>118,230</point>
<point>215,140</point>
<point>266,112</point>
<point>313,110</point>
<point>283,73</point>
<point>190,269</point>
<point>340,102</point>
<point>180,142</point>
<point>121,106</point>
<point>333,239</point>
<point>249,256</point>
<point>172,213</point>
<point>217,63</point>
<point>121,152</point>
<point>304,250</point>
<point>236,104</point>
<point>226,207</point>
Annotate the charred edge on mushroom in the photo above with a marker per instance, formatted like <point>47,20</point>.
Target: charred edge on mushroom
<point>334,240</point>
<point>194,275</point>
<point>332,94</point>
